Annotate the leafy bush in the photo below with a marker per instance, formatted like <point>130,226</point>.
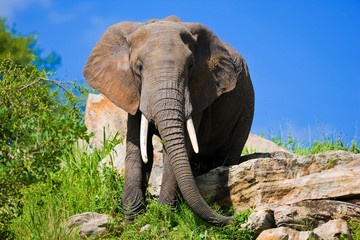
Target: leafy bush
<point>38,124</point>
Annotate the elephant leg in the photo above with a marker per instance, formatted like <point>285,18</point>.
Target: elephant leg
<point>168,184</point>
<point>150,154</point>
<point>135,171</point>
<point>230,152</point>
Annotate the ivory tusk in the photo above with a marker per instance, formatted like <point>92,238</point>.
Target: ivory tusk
<point>192,134</point>
<point>144,125</point>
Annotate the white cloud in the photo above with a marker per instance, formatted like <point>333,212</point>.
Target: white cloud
<point>102,22</point>
<point>302,133</point>
<point>97,26</point>
<point>9,7</point>
<point>60,18</point>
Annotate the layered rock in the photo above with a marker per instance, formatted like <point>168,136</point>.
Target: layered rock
<point>314,213</point>
<point>296,197</point>
<point>282,178</point>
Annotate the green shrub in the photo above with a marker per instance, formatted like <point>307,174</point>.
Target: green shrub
<point>38,124</point>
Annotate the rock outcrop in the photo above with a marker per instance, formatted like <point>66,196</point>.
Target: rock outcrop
<point>296,197</point>
<point>102,115</point>
<point>314,212</point>
<point>282,178</point>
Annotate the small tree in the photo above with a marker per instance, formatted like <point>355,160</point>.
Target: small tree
<point>24,48</point>
<point>38,123</point>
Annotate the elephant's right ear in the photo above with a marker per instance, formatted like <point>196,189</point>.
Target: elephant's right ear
<point>108,69</point>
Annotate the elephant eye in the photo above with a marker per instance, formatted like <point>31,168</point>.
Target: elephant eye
<point>190,65</point>
<point>138,67</point>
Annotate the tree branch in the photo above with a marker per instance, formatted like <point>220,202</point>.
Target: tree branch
<point>42,145</point>
<point>28,85</point>
<point>58,83</point>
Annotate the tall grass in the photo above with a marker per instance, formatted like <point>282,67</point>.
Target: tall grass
<point>78,187</point>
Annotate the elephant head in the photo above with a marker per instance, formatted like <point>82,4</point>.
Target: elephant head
<point>169,71</point>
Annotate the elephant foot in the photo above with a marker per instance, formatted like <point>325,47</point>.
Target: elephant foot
<point>173,203</point>
<point>132,210</point>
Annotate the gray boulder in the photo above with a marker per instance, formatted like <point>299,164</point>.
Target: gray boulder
<point>333,229</point>
<point>88,224</point>
<point>285,233</point>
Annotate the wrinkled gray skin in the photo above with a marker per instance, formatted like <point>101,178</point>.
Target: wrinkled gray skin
<point>168,71</point>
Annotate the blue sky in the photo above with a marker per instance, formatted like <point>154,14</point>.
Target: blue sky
<point>303,56</point>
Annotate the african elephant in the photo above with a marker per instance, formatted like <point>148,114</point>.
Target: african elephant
<point>170,76</point>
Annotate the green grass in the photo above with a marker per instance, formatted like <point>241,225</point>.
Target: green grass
<point>328,144</point>
<point>355,230</point>
<point>181,224</point>
<point>78,187</point>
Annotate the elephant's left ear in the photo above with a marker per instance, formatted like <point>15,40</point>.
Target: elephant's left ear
<point>216,67</point>
<point>108,69</point>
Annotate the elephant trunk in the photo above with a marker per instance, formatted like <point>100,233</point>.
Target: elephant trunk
<point>169,118</point>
